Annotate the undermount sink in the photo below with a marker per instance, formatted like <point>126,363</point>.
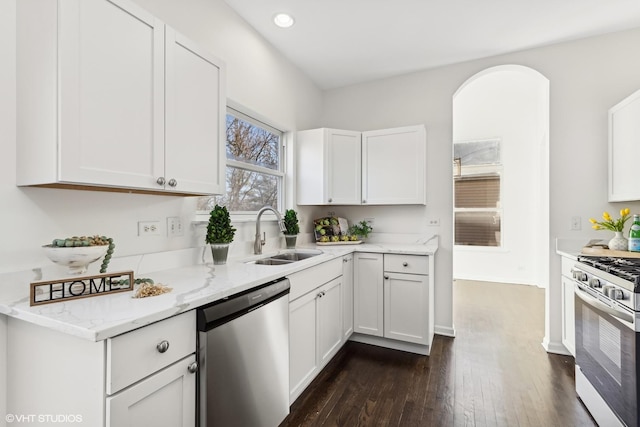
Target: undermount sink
<point>286,257</point>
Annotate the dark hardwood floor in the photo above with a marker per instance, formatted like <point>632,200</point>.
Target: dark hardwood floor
<point>494,373</point>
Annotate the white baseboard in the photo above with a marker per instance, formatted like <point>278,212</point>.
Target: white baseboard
<point>447,331</point>
<point>555,347</point>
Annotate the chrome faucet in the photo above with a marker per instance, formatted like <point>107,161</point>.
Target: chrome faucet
<point>259,242</point>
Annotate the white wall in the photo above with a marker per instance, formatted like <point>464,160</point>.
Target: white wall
<point>504,102</point>
<point>586,78</point>
<point>258,77</point>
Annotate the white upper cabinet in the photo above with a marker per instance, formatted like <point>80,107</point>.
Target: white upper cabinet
<point>624,149</point>
<point>108,96</point>
<point>394,166</point>
<point>328,170</point>
<point>195,155</point>
<point>382,167</point>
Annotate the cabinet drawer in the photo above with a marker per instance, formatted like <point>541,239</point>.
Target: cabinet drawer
<point>137,354</point>
<point>307,280</point>
<point>412,264</point>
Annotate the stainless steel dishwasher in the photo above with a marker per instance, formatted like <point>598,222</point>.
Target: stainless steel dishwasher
<point>243,352</point>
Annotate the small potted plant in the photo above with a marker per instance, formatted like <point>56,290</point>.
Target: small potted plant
<point>291,228</point>
<point>220,233</point>
<point>361,229</point>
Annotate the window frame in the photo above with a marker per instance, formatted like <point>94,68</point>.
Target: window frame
<point>480,171</point>
<point>280,173</point>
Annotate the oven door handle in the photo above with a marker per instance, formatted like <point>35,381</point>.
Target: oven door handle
<point>623,316</point>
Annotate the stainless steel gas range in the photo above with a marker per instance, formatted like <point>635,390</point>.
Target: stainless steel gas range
<point>607,310</point>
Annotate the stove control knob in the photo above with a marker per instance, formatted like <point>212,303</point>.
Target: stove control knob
<point>616,294</point>
<point>595,283</point>
<point>580,275</point>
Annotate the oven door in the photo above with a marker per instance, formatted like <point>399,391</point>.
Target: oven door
<point>606,348</point>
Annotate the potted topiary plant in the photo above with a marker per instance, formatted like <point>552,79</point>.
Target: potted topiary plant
<point>291,228</point>
<point>220,233</point>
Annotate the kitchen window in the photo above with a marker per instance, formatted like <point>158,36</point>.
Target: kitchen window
<point>255,171</point>
<point>477,179</point>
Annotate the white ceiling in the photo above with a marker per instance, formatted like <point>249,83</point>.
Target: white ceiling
<point>342,42</point>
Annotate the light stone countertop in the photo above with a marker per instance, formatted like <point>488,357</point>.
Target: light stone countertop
<point>193,284</point>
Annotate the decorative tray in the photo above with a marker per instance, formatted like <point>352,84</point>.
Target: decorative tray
<point>354,242</point>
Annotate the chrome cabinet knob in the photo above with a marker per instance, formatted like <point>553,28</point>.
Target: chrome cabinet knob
<point>386,277</point>
<point>404,264</point>
<point>364,201</point>
<point>193,367</point>
<point>163,346</point>
<point>160,180</point>
<point>330,200</point>
<point>172,183</point>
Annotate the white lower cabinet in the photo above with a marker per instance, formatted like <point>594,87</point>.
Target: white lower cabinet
<point>347,296</point>
<point>315,333</point>
<point>406,307</point>
<point>568,307</point>
<point>165,399</point>
<point>143,377</point>
<point>316,329</point>
<point>368,294</point>
<point>393,300</point>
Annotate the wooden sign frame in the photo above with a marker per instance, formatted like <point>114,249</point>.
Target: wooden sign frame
<point>70,288</point>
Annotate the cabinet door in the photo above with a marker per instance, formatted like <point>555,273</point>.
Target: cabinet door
<point>406,307</point>
<point>568,316</point>
<point>111,94</point>
<point>347,296</point>
<point>394,166</point>
<point>328,167</point>
<point>344,167</point>
<point>329,320</point>
<point>167,398</point>
<point>368,294</point>
<point>195,119</point>
<point>303,347</point>
<point>624,133</point>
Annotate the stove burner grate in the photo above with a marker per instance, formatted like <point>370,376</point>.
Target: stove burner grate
<point>625,268</point>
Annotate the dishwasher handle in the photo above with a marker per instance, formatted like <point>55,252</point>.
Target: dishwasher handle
<point>223,311</point>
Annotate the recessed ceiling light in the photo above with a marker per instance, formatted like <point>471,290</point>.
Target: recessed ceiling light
<point>283,20</point>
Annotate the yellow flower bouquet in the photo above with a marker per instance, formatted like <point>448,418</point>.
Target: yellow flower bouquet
<point>609,223</point>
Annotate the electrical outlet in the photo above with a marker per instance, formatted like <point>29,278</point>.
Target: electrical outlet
<point>433,221</point>
<point>174,226</point>
<point>576,223</point>
<point>148,228</point>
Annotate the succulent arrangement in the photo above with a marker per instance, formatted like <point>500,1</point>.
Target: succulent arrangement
<point>84,241</point>
<point>291,222</point>
<point>219,228</point>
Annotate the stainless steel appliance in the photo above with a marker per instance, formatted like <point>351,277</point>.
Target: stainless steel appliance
<point>607,310</point>
<point>243,351</point>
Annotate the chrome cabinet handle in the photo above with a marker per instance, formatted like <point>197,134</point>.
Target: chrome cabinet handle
<point>160,180</point>
<point>163,346</point>
<point>172,183</point>
<point>193,367</point>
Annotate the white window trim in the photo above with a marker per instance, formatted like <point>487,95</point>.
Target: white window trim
<point>243,113</point>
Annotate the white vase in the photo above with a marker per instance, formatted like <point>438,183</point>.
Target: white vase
<point>619,242</point>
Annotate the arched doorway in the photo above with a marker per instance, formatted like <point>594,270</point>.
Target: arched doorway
<point>501,177</point>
